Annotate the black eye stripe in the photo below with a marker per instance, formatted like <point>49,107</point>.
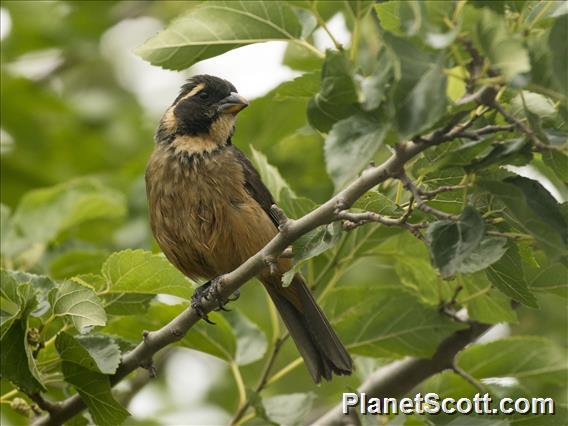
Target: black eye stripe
<point>203,94</point>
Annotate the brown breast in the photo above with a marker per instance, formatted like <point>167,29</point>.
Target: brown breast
<point>200,213</point>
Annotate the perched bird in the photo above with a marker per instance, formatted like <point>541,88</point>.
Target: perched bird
<point>210,212</point>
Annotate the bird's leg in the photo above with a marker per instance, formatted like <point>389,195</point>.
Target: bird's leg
<point>215,292</point>
<point>201,292</point>
<point>211,289</point>
<point>235,296</point>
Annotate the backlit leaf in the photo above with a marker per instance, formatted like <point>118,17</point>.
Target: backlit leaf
<point>386,322</point>
<point>351,145</point>
<point>215,27</point>
<point>337,98</point>
<point>79,303</point>
<point>139,271</point>
<point>521,357</point>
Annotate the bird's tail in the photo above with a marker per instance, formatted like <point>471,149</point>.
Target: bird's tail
<point>318,344</point>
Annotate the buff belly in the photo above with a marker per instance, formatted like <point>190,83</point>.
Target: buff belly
<point>203,218</point>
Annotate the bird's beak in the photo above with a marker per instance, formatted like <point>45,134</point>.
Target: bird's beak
<point>232,104</point>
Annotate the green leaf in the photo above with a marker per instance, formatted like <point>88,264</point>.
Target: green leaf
<point>290,409</point>
<point>489,251</point>
<point>504,50</point>
<point>5,226</point>
<point>521,357</point>
<point>558,162</point>
<point>127,303</point>
<point>557,44</point>
<point>418,276</point>
<point>43,214</point>
<point>270,175</point>
<point>337,98</point>
<point>77,262</point>
<point>386,322</point>
<point>514,151</point>
<point>531,208</point>
<point>411,18</point>
<point>251,341</point>
<point>485,304</point>
<point>351,145</point>
<point>81,304</point>
<point>549,277</point>
<point>507,275</point>
<point>17,363</point>
<point>284,196</point>
<point>299,58</point>
<point>311,245</point>
<point>215,27</point>
<point>139,271</point>
<point>11,302</point>
<point>21,295</point>
<point>375,86</point>
<point>460,246</point>
<point>96,353</point>
<point>376,202</point>
<point>420,94</point>
<point>295,207</point>
<point>534,103</point>
<point>94,389</point>
<point>218,341</point>
<point>316,241</point>
<point>304,86</point>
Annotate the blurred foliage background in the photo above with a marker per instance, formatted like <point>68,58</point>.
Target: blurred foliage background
<point>77,123</point>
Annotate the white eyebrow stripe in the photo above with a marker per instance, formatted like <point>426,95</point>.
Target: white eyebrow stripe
<point>194,91</point>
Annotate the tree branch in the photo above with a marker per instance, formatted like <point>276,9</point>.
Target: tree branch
<point>289,231</point>
<point>400,377</point>
<point>538,144</point>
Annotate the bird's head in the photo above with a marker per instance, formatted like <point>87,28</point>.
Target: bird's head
<point>205,108</point>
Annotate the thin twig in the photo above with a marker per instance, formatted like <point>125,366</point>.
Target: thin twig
<point>538,144</point>
<point>420,203</point>
<point>447,188</point>
<point>469,378</point>
<point>263,378</point>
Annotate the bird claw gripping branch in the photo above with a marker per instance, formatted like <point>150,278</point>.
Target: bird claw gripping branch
<point>207,291</point>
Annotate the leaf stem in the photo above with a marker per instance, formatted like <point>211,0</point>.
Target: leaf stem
<point>262,382</point>
<point>475,295</point>
<point>274,321</point>
<point>239,381</point>
<point>4,398</point>
<point>284,371</point>
<point>355,39</point>
<point>322,23</point>
<point>332,262</point>
<point>310,47</point>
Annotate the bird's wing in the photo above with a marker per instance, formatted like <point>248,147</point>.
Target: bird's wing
<point>254,185</point>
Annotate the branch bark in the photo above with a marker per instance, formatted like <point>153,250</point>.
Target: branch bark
<point>400,377</point>
<point>290,230</point>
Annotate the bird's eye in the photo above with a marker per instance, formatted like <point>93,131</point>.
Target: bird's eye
<point>203,95</point>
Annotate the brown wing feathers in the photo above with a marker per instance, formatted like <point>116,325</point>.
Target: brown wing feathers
<point>318,344</point>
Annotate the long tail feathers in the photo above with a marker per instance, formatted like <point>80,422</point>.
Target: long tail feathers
<point>318,344</point>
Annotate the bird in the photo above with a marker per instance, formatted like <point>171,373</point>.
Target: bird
<point>210,211</point>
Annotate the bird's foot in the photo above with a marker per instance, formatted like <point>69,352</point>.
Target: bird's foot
<point>211,290</point>
<point>200,293</point>
<point>235,296</point>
